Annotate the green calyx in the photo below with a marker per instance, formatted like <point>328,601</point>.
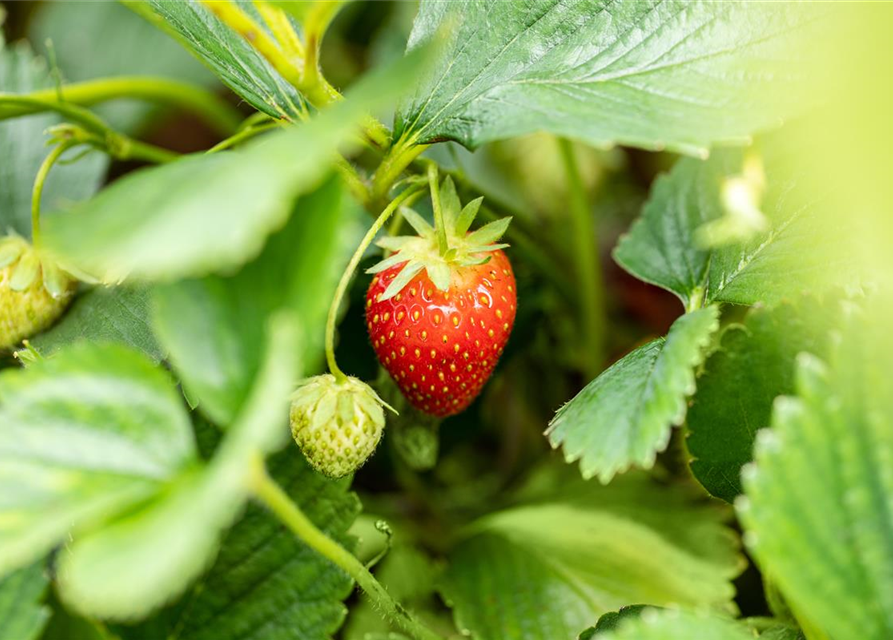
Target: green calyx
<point>336,423</point>
<point>428,252</point>
<point>29,267</point>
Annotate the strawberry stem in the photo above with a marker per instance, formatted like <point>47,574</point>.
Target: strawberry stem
<point>439,225</point>
<point>283,507</point>
<point>40,180</point>
<point>406,197</point>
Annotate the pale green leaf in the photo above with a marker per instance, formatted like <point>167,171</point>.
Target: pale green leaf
<point>146,557</point>
<point>624,416</point>
<point>467,216</point>
<point>818,500</point>
<point>547,570</point>
<point>211,212</point>
<point>22,614</point>
<point>403,278</point>
<point>214,328</point>
<point>105,314</point>
<point>677,625</point>
<point>490,232</point>
<point>754,365</point>
<point>230,56</point>
<point>22,149</point>
<point>416,221</point>
<point>678,75</point>
<point>83,435</point>
<point>804,248</point>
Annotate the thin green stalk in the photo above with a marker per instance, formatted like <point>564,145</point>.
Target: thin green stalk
<point>591,287</point>
<point>406,197</point>
<point>400,156</point>
<point>439,224</point>
<point>243,135</point>
<point>276,500</point>
<point>223,118</point>
<point>40,180</point>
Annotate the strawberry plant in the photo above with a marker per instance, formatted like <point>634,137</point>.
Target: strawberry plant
<point>533,320</point>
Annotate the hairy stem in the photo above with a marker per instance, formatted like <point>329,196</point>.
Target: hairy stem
<point>216,112</point>
<point>439,224</point>
<point>394,163</point>
<point>406,197</point>
<point>40,180</point>
<point>283,507</point>
<point>282,28</point>
<point>585,253</point>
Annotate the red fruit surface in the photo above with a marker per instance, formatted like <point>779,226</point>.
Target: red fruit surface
<point>441,347</point>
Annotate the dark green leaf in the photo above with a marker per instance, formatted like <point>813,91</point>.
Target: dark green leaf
<point>105,314</point>
<point>546,570</point>
<point>214,328</point>
<point>803,248</point>
<point>753,366</point>
<point>22,149</point>
<point>624,416</point>
<point>818,498</point>
<point>231,57</point>
<point>610,621</point>
<point>678,75</point>
<point>22,614</point>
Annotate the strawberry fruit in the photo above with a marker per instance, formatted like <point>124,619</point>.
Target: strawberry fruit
<point>439,320</point>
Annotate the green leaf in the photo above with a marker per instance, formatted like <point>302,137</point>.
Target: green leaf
<point>803,248</point>
<point>214,328</point>
<point>624,417</point>
<point>817,511</point>
<point>83,435</point>
<point>105,314</point>
<point>546,570</point>
<point>265,582</point>
<point>211,212</point>
<point>150,554</point>
<point>22,149</point>
<point>675,625</point>
<point>610,621</point>
<point>129,46</point>
<point>677,75</point>
<point>22,613</point>
<point>754,365</point>
<point>231,57</point>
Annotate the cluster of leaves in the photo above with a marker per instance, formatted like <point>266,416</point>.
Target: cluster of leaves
<point>128,448</point>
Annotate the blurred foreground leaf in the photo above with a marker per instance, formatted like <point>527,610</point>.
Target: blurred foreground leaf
<point>22,614</point>
<point>818,508</point>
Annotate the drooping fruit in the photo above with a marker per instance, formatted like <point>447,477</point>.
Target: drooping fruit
<point>337,423</point>
<point>34,291</point>
<point>440,321</point>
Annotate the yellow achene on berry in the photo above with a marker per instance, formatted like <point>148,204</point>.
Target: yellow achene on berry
<point>336,423</point>
<point>34,291</point>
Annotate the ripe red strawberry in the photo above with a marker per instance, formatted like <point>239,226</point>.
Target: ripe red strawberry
<point>439,323</point>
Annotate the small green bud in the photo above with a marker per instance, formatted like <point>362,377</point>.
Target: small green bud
<point>34,291</point>
<point>337,424</point>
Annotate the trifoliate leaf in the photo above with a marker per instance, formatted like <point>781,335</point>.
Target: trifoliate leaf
<point>817,508</point>
<point>624,416</point>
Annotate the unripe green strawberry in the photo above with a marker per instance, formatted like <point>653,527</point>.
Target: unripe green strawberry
<point>337,424</point>
<point>34,291</point>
